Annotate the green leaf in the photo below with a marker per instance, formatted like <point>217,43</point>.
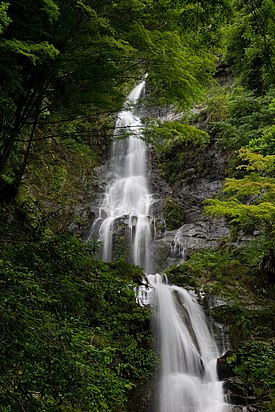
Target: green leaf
<point>36,52</point>
<point>5,20</point>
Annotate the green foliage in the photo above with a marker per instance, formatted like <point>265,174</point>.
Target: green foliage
<point>24,222</point>
<point>249,200</point>
<point>73,337</point>
<point>173,213</point>
<point>256,162</point>
<point>55,178</point>
<point>239,116</point>
<point>250,46</point>
<point>94,52</point>
<point>254,365</point>
<point>266,143</point>
<point>208,268</point>
<point>4,18</point>
<point>217,104</point>
<point>166,135</point>
<point>240,213</point>
<point>244,323</point>
<point>176,74</point>
<point>34,52</point>
<point>227,271</point>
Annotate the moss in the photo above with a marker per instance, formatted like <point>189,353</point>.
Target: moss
<point>179,275</point>
<point>121,249</point>
<point>186,163</point>
<point>174,213</point>
<point>244,323</point>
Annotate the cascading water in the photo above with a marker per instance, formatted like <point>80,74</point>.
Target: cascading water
<point>127,193</point>
<point>178,248</point>
<point>187,350</point>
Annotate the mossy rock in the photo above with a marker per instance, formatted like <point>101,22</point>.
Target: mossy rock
<point>243,323</point>
<point>174,213</point>
<point>179,276</point>
<point>121,248</point>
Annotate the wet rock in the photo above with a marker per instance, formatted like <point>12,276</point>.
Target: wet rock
<point>175,246</point>
<point>193,193</point>
<point>223,368</point>
<point>144,397</point>
<point>241,408</point>
<point>161,251</point>
<point>235,392</point>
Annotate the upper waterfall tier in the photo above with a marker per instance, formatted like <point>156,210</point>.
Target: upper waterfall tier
<point>127,192</point>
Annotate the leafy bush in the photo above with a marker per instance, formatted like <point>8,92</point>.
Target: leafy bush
<point>165,135</point>
<point>250,43</point>
<point>73,337</point>
<point>265,144</point>
<point>244,117</point>
<point>249,201</point>
<point>254,364</point>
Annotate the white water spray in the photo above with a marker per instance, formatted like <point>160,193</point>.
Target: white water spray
<point>187,350</point>
<point>127,194</point>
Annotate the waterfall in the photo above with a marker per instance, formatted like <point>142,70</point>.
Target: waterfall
<point>127,195</point>
<point>187,350</point>
<point>188,353</point>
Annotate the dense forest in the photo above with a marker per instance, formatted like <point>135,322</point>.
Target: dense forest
<point>72,337</point>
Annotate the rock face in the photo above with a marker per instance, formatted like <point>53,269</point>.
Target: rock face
<point>240,400</point>
<point>84,211</point>
<point>201,234</point>
<point>189,238</point>
<point>198,231</point>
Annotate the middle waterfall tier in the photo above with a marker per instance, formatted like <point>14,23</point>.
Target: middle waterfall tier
<point>125,213</point>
